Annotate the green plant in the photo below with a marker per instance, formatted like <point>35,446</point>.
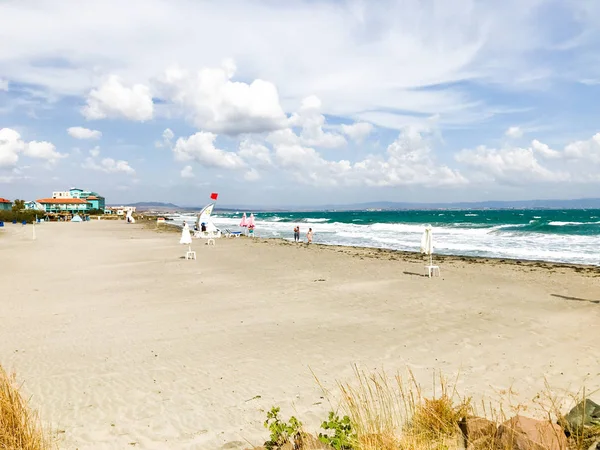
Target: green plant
<point>18,205</point>
<point>343,437</point>
<point>281,432</point>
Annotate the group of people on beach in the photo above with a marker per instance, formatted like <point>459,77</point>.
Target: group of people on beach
<point>309,235</point>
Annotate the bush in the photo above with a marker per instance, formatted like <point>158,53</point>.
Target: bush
<point>27,215</point>
<point>282,432</point>
<point>343,437</point>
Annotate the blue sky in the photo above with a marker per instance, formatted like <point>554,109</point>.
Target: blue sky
<point>300,103</point>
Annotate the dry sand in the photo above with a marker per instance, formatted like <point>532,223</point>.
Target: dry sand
<point>121,342</point>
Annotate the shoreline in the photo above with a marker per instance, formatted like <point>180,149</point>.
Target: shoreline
<point>171,227</point>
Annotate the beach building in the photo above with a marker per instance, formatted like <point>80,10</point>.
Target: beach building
<point>5,205</point>
<point>91,200</point>
<point>64,205</point>
<point>34,205</point>
<point>119,210</point>
<point>96,200</point>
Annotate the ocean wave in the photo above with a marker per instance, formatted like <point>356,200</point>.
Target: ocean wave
<point>562,224</point>
<point>321,220</point>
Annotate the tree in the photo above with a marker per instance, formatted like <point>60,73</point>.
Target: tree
<point>18,205</point>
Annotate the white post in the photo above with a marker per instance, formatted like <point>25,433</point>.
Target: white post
<point>33,228</point>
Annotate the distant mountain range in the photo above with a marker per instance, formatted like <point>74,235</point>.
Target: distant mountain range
<point>584,203</point>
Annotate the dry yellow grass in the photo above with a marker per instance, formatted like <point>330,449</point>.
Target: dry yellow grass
<point>20,427</point>
<point>391,414</point>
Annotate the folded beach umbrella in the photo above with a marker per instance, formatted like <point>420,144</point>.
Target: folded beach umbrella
<point>250,222</point>
<point>427,243</point>
<point>244,222</point>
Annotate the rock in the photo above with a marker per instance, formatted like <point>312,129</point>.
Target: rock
<point>477,432</point>
<point>586,413</point>
<point>524,433</point>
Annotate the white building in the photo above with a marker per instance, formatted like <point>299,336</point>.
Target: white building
<point>61,194</point>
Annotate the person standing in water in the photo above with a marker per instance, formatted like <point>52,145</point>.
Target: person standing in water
<point>309,236</point>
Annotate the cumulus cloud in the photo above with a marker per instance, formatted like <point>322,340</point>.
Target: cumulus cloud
<point>544,150</point>
<point>95,152</point>
<point>167,138</point>
<point>112,99</point>
<point>108,165</point>
<point>3,85</point>
<point>215,103</point>
<point>84,133</point>
<point>255,153</point>
<point>510,165</point>
<point>357,131</point>
<point>43,150</point>
<point>200,147</point>
<point>12,145</point>
<point>587,151</point>
<point>311,121</point>
<point>187,172</point>
<point>409,161</point>
<point>514,132</point>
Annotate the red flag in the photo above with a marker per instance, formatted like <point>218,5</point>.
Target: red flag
<point>214,196</point>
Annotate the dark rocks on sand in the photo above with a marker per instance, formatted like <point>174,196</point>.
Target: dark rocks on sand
<point>586,414</point>
<point>523,433</point>
<point>478,433</point>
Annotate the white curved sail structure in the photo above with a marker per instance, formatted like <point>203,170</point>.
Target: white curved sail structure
<point>205,218</point>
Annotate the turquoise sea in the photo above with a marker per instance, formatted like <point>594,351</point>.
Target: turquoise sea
<point>569,235</point>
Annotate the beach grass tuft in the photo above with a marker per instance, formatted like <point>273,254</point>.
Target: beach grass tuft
<point>20,426</point>
<point>390,413</point>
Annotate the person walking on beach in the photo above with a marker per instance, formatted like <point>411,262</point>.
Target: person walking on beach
<point>309,236</point>
<point>296,233</point>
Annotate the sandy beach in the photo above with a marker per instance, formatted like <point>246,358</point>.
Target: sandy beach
<point>121,342</point>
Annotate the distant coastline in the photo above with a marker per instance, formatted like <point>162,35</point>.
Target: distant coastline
<point>584,203</point>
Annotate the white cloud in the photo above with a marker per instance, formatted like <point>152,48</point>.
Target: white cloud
<point>216,103</point>
<point>109,165</point>
<point>510,165</point>
<point>310,119</point>
<point>167,138</point>
<point>252,175</point>
<point>544,150</point>
<point>357,131</point>
<point>114,100</point>
<point>514,132</point>
<point>95,152</point>
<point>187,172</point>
<point>84,133</point>
<point>409,161</point>
<point>3,85</point>
<point>11,145</point>
<point>200,147</point>
<point>349,45</point>
<point>168,134</point>
<point>43,150</point>
<point>586,151</point>
<point>255,154</point>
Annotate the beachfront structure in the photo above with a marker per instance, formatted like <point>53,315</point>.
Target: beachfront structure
<point>5,205</point>
<point>119,210</point>
<point>95,200</point>
<point>64,205</point>
<point>34,205</point>
<point>61,194</point>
